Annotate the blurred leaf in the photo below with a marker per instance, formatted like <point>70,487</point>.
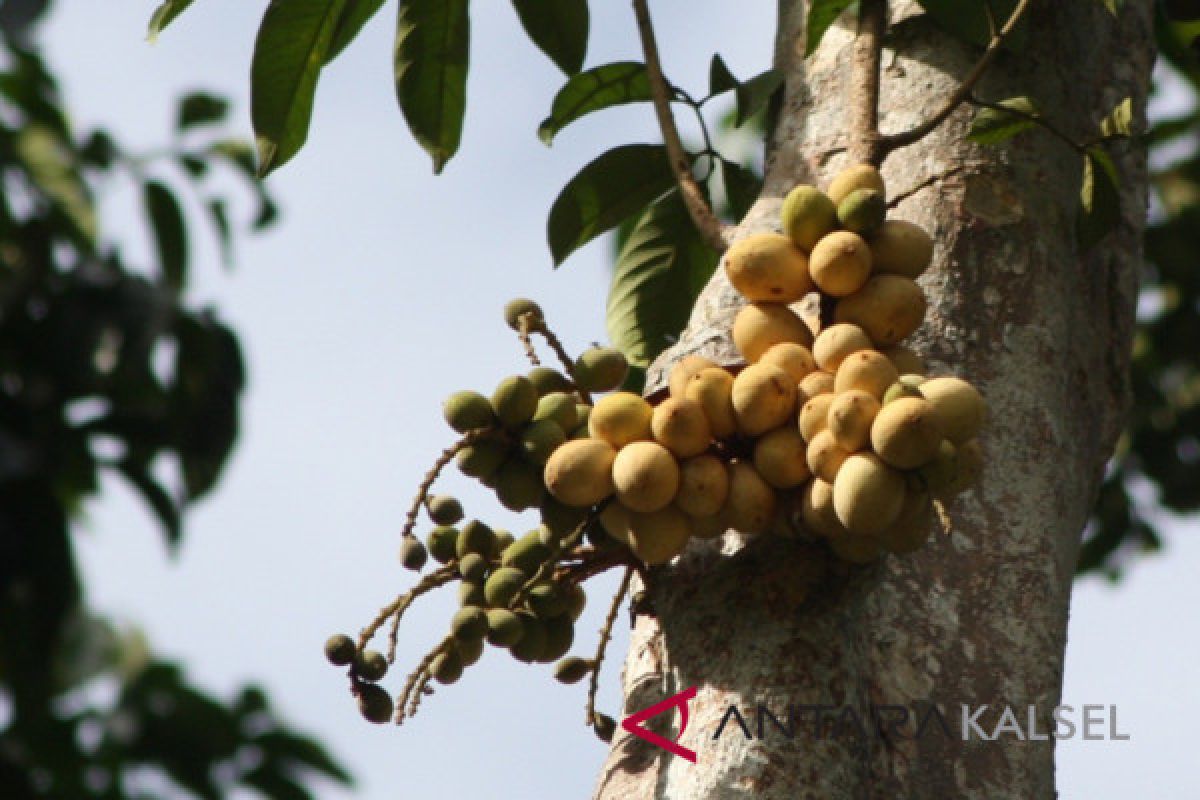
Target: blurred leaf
<point>290,49</point>
<point>285,746</point>
<point>201,108</point>
<point>720,79</point>
<point>195,166</point>
<point>610,188</point>
<point>432,39</point>
<point>170,233</point>
<point>158,498</point>
<point>742,187</point>
<point>99,150</point>
<point>165,15</point>
<point>355,15</point>
<point>968,20</point>
<point>1119,121</point>
<point>219,215</point>
<point>996,125</point>
<point>822,14</point>
<point>559,28</point>
<point>1113,6</point>
<point>753,95</point>
<point>47,159</point>
<point>1099,199</point>
<point>598,88</point>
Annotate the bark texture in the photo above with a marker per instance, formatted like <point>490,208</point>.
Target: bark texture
<point>978,616</point>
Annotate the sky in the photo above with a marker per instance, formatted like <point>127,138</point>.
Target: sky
<point>377,296</point>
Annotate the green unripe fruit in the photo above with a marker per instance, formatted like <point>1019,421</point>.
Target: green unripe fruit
<point>475,537</point>
<point>601,369</point>
<point>469,622</point>
<point>900,390</point>
<point>447,667</point>
<point>583,412</point>
<point>444,509</point>
<point>519,485</point>
<point>443,543</point>
<point>370,665</point>
<point>515,400</point>
<point>807,215</point>
<point>863,211</point>
<point>540,439</point>
<point>532,644</point>
<point>527,554</point>
<point>504,627</point>
<point>560,635</point>
<point>469,650</point>
<point>604,726</point>
<point>471,594</point>
<point>339,649</point>
<point>547,380</point>
<point>520,307</point>
<point>482,458</point>
<point>413,553</point>
<point>560,407</point>
<point>468,411</point>
<point>858,176</point>
<point>559,518</point>
<point>472,567</point>
<point>502,586</point>
<point>546,599</point>
<point>503,540</point>
<point>572,670</point>
<point>374,703</point>
<point>576,600</point>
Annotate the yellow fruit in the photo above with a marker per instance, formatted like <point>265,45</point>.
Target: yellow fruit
<point>867,494</point>
<point>750,506</point>
<point>850,416</point>
<point>646,476</point>
<point>814,415</point>
<point>900,389</point>
<point>712,388</point>
<point>840,263</point>
<point>807,215</point>
<point>768,268</point>
<point>683,371</point>
<point>907,433</point>
<point>900,247</point>
<point>834,343</point>
<point>905,359</point>
<point>654,537</point>
<point>868,370</point>
<point>781,458</point>
<point>888,307</point>
<point>939,473</point>
<point>681,426</point>
<point>856,549</point>
<point>959,405</point>
<point>968,468</point>
<point>825,456</point>
<point>764,397</point>
<point>708,527</point>
<point>758,326</point>
<point>815,383</point>
<point>615,521</point>
<point>859,176</point>
<point>911,529</point>
<point>620,418</point>
<point>703,486</point>
<point>816,510</point>
<point>579,472</point>
<point>862,211</point>
<point>794,359</point>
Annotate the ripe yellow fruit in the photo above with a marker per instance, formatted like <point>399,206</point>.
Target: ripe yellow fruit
<point>856,549</point>
<point>708,527</point>
<point>768,268</point>
<point>815,383</point>
<point>683,371</point>
<point>703,486</point>
<point>959,404</point>
<point>868,494</point>
<point>814,415</point>
<point>750,506</point>
<point>905,359</point>
<point>939,473</point>
<point>680,425</point>
<point>764,397</point>
<point>816,510</point>
<point>759,326</point>
<point>888,307</point>
<point>907,433</point>
<point>781,458</point>
<point>825,456</point>
<point>620,418</point>
<point>712,388</point>
<point>840,263</point>
<point>614,518</point>
<point>579,472</point>
<point>794,359</point>
<point>834,343</point>
<point>911,529</point>
<point>900,247</point>
<point>646,476</point>
<point>659,536</point>
<point>859,176</point>
<point>868,370</point>
<point>849,419</point>
<point>807,215</point>
<point>968,468</point>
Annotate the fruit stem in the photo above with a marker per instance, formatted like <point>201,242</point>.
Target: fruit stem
<point>565,359</point>
<point>417,681</point>
<point>397,607</point>
<point>602,645</point>
<point>431,476</point>
<point>524,326</point>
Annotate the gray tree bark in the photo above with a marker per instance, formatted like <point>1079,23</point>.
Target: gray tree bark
<point>980,615</point>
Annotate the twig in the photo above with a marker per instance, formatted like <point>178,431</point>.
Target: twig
<point>865,77</point>
<point>605,636</point>
<point>418,679</point>
<point>427,483</point>
<point>429,582</point>
<point>564,358</point>
<point>897,140</point>
<point>523,330</point>
<point>943,517</point>
<point>705,220</point>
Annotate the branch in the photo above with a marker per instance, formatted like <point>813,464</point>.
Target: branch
<point>864,99</point>
<point>897,140</point>
<point>601,646</point>
<point>711,229</point>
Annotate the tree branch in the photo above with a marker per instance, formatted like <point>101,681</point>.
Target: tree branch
<point>960,95</point>
<point>864,99</point>
<point>711,229</point>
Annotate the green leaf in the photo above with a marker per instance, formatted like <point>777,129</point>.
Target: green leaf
<point>598,88</point>
<point>559,28</point>
<point>164,15</point>
<point>291,46</point>
<point>219,215</point>
<point>658,275</point>
<point>1099,199</point>
<point>201,108</point>
<point>47,159</point>
<point>432,39</point>
<point>742,187</point>
<point>158,498</point>
<point>720,79</point>
<point>754,94</point>
<point>355,15</point>
<point>1119,121</point>
<point>822,14</point>
<point>615,185</point>
<point>170,232</point>
<point>1113,6</point>
<point>996,125</point>
<point>968,20</point>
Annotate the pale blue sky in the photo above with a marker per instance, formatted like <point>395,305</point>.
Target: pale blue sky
<point>379,295</point>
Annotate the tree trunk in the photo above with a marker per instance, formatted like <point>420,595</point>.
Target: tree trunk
<point>980,615</point>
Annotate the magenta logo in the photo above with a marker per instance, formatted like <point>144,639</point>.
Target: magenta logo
<point>633,723</point>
